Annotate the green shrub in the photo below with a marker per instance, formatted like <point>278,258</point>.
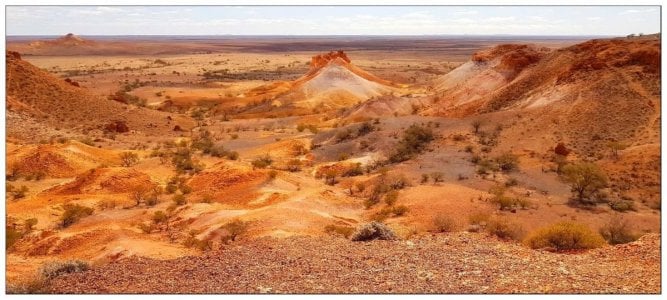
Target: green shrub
<point>622,205</point>
<point>414,142</point>
<point>586,180</point>
<point>565,236</point>
<point>73,213</point>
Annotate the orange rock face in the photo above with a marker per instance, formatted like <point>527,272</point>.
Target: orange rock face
<point>321,60</point>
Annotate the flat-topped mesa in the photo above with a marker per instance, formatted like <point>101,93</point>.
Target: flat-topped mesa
<point>322,60</point>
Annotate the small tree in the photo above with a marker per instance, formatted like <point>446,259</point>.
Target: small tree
<point>476,124</point>
<point>585,180</point>
<point>615,147</point>
<point>129,159</point>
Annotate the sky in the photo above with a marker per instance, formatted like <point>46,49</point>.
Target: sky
<point>332,20</point>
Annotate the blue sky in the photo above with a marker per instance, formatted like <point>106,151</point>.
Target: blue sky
<point>332,20</point>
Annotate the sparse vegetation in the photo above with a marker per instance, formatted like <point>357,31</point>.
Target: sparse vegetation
<point>565,236</point>
<point>414,141</point>
<point>443,223</point>
<point>262,162</point>
<point>618,231</point>
<point>73,213</point>
<point>129,159</point>
<point>586,180</point>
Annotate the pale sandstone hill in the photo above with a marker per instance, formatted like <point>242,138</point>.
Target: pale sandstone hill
<point>332,82</point>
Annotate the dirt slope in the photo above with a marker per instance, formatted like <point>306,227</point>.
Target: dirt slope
<point>36,94</point>
<point>456,263</point>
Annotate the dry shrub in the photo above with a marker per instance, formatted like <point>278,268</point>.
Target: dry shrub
<point>345,231</point>
<point>443,223</point>
<point>54,269</point>
<point>618,231</point>
<point>505,229</point>
<point>565,236</point>
<point>73,213</point>
<point>373,231</point>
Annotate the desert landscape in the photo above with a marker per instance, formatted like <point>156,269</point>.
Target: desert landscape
<point>339,164</point>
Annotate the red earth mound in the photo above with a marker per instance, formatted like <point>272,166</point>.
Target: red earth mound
<point>106,181</point>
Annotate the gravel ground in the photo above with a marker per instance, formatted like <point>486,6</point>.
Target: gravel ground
<point>448,263</point>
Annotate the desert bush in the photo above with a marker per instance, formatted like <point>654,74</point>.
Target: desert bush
<point>345,231</point>
<point>505,202</point>
<point>618,231</point>
<point>507,162</point>
<point>28,224</point>
<point>414,141</point>
<point>12,235</point>
<point>33,284</point>
<point>424,178</point>
<point>310,127</point>
<point>179,199</point>
<point>391,197</point>
<point>364,129</point>
<point>504,229</point>
<point>262,162</point>
<point>51,270</point>
<point>151,199</point>
<point>107,204</point>
<point>443,223</point>
<point>511,182</point>
<point>294,165</point>
<point>565,236</point>
<point>400,210</point>
<point>622,205</point>
<point>159,217</point>
<point>273,174</point>
<point>234,229</point>
<point>479,218</point>
<point>353,170</point>
<point>73,213</point>
<point>330,176</point>
<point>586,180</point>
<point>373,231</point>
<point>183,162</point>
<point>146,227</point>
<point>438,177</point>
<point>382,215</point>
<point>17,193</point>
<point>191,241</point>
<point>129,159</point>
